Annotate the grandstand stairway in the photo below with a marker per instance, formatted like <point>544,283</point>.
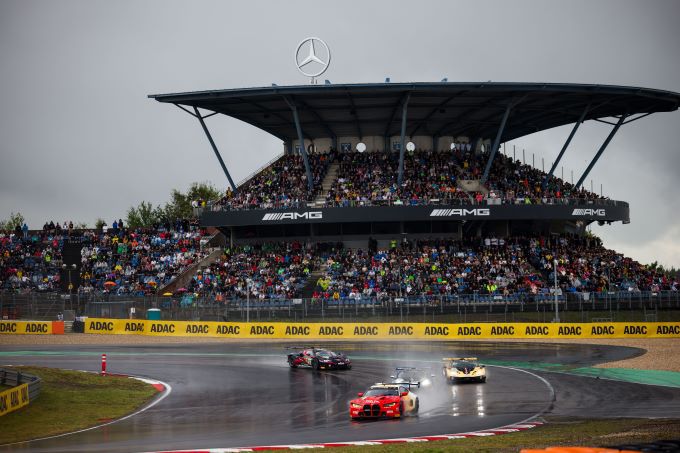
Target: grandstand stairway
<point>472,185</point>
<point>308,290</point>
<point>326,184</point>
<point>184,278</point>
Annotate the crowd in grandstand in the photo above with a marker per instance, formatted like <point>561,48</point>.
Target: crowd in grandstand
<point>281,184</point>
<point>263,271</point>
<point>139,262</point>
<point>584,265</point>
<point>30,261</point>
<point>126,261</point>
<point>441,267</point>
<point>372,178</point>
<point>113,260</point>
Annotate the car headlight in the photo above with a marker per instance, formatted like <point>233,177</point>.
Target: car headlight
<point>390,404</point>
<point>356,406</point>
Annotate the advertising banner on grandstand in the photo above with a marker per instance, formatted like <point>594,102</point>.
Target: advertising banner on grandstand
<point>13,399</point>
<point>602,212</point>
<point>381,331</point>
<point>27,327</point>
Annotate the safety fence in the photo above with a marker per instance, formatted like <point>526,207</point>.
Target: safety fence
<point>542,307</point>
<point>25,388</point>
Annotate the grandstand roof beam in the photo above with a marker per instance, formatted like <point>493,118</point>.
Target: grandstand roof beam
<point>433,111</point>
<point>303,151</point>
<point>496,142</point>
<point>564,147</point>
<point>320,120</point>
<point>214,147</point>
<point>616,127</point>
<point>457,119</point>
<point>355,115</point>
<point>404,111</point>
<point>388,125</point>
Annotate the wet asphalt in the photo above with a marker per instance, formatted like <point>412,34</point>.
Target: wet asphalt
<point>238,395</point>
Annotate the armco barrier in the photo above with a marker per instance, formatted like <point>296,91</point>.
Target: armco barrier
<point>32,327</point>
<point>382,331</point>
<point>26,388</point>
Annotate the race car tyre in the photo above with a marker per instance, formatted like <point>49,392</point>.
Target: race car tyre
<point>349,367</point>
<point>291,362</point>
<point>415,411</point>
<point>482,380</point>
<point>315,364</point>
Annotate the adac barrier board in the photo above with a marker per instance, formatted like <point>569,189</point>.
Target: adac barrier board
<point>382,331</point>
<point>31,327</point>
<point>13,399</point>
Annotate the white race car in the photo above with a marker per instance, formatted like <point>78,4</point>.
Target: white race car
<point>458,369</point>
<point>422,377</point>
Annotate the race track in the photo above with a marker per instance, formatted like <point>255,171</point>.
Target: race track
<point>238,395</point>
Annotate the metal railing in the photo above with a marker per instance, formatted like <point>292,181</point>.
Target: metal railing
<point>12,378</point>
<point>419,202</point>
<point>574,307</point>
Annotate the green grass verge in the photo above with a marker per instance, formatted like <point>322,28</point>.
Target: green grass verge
<point>558,432</point>
<point>73,400</point>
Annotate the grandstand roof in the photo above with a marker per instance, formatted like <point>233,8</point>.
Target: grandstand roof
<point>434,109</point>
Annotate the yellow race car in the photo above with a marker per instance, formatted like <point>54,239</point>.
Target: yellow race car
<point>459,369</point>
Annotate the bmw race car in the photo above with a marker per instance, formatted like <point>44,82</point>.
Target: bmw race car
<point>458,369</point>
<point>318,359</point>
<point>422,377</point>
<point>391,400</point>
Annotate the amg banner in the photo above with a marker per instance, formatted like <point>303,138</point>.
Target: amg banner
<point>609,212</point>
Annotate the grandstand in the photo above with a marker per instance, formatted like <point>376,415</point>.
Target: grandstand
<point>382,192</point>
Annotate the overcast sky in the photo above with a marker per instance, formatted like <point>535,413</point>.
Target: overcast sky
<point>79,139</point>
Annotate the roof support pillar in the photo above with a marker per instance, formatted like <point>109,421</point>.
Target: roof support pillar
<point>214,147</point>
<point>564,148</point>
<point>402,149</point>
<point>303,151</point>
<point>435,143</point>
<point>601,150</point>
<point>496,142</point>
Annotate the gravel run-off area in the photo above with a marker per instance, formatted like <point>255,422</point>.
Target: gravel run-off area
<point>661,353</point>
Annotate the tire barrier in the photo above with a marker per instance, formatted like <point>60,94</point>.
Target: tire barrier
<point>25,388</point>
<point>32,327</point>
<point>382,331</point>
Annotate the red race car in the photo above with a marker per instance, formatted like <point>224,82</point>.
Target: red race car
<point>318,359</point>
<point>385,401</point>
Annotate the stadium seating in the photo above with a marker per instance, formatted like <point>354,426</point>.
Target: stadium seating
<point>138,262</point>
<point>120,262</point>
<point>281,184</point>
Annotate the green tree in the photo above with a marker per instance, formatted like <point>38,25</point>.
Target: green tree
<point>179,206</point>
<point>143,216</point>
<point>12,222</point>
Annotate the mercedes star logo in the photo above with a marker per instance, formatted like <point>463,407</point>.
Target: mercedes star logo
<point>314,65</point>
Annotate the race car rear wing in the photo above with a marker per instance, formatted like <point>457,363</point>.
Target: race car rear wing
<point>397,384</point>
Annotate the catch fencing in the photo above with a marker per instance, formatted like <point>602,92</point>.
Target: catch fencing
<point>646,306</point>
